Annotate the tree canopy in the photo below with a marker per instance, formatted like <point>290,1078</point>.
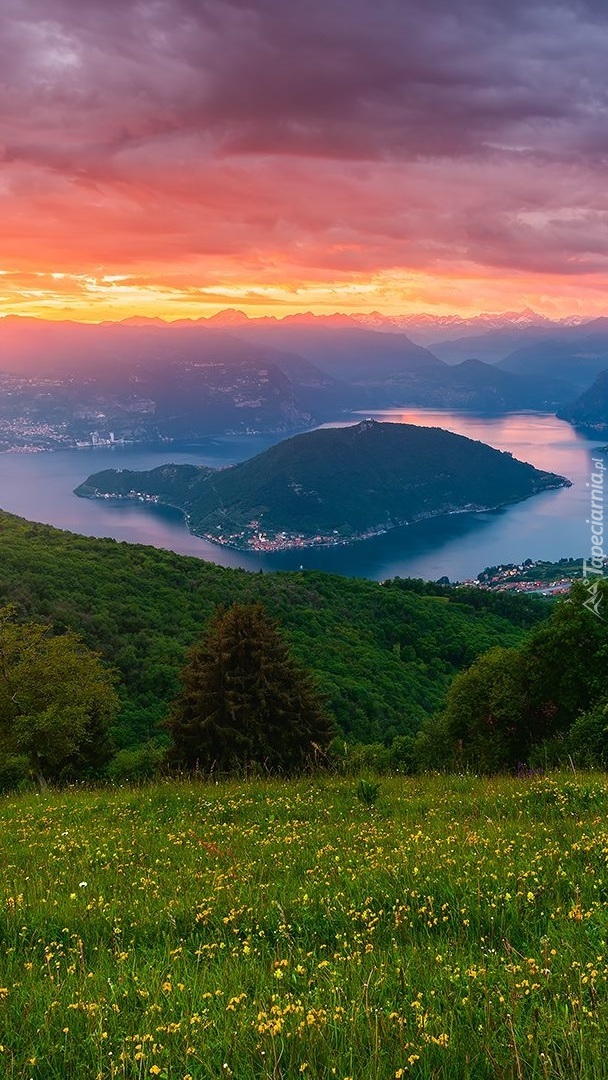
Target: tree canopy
<point>245,700</point>
<point>384,654</point>
<point>56,703</point>
<point>512,701</point>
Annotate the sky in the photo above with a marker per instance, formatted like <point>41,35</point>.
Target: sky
<point>175,157</point>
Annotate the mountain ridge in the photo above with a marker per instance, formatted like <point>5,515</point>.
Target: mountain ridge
<point>589,413</point>
<point>73,384</point>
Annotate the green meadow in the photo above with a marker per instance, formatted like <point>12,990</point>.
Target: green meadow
<point>457,928</point>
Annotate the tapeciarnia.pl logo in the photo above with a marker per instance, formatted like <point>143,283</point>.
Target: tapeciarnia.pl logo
<point>593,570</point>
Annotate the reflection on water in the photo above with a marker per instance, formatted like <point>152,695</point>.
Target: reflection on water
<point>550,525</point>
<point>544,441</point>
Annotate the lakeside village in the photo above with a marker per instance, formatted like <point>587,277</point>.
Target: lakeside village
<point>41,414</point>
<point>44,438</point>
<point>534,577</point>
<point>250,538</point>
<point>27,435</point>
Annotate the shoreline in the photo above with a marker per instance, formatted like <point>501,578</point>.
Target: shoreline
<point>302,543</point>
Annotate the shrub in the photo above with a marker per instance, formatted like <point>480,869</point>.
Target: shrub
<point>367,792</point>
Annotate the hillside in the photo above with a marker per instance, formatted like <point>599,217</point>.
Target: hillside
<point>589,412</point>
<point>67,384</point>
<point>384,654</point>
<point>577,356</point>
<point>475,384</point>
<point>490,345</point>
<point>149,383</point>
<point>205,930</point>
<point>570,354</point>
<point>344,350</point>
<point>334,485</point>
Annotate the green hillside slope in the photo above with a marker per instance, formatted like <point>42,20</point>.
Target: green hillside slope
<point>384,654</point>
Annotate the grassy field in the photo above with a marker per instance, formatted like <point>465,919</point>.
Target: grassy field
<point>457,929</point>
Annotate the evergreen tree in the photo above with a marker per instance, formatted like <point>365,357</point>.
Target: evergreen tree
<point>245,700</point>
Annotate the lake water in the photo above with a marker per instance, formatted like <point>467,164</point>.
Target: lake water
<point>550,525</point>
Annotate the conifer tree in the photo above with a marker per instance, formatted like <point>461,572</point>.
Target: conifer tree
<point>245,700</point>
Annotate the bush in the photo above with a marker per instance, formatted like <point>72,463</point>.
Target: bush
<point>367,792</point>
<point>587,740</point>
<point>136,763</point>
<point>14,772</point>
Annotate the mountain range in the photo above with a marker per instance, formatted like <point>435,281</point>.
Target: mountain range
<point>144,380</point>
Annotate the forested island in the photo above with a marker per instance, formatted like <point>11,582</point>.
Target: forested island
<point>333,485</point>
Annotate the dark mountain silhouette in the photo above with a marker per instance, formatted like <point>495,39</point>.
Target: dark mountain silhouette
<point>575,357</point>
<point>145,380</point>
<point>589,413</point>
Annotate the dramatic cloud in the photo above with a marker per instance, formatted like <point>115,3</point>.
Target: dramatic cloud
<point>346,153</point>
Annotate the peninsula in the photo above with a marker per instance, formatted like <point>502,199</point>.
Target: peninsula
<point>332,486</point>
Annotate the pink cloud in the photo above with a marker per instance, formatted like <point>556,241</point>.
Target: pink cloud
<point>220,141</point>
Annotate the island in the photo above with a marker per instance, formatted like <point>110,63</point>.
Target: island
<point>332,486</point>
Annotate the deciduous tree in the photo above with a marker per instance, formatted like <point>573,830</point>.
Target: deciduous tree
<point>56,703</point>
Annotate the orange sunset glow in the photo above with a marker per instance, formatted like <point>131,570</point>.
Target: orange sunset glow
<point>176,158</point>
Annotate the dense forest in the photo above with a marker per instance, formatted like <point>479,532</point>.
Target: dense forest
<point>383,654</point>
<point>412,674</point>
<point>542,704</point>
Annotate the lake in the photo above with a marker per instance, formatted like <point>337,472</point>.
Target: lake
<point>551,525</point>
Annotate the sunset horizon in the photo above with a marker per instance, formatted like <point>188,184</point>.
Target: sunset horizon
<point>232,316</point>
<point>175,159</point>
<point>251,313</point>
